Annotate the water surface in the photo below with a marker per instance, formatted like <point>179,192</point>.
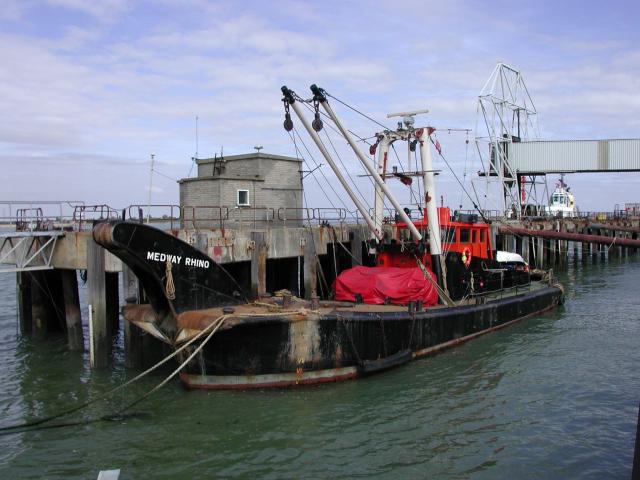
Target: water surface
<point>555,396</point>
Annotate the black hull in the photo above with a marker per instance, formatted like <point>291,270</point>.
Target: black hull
<point>276,351</point>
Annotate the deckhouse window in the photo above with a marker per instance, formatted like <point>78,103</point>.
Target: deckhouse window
<point>243,198</point>
<point>464,235</point>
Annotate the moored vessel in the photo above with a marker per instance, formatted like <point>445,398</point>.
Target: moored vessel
<point>562,202</point>
<point>431,283</point>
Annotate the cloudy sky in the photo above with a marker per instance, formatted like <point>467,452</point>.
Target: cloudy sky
<point>91,88</point>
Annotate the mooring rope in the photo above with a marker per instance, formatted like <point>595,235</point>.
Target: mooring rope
<point>218,322</point>
<point>212,328</point>
<point>34,423</point>
<point>170,288</point>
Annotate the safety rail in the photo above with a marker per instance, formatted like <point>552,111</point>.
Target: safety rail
<point>486,214</point>
<point>207,216</point>
<point>311,215</point>
<point>170,215</point>
<point>242,217</point>
<point>29,219</point>
<point>391,216</point>
<point>86,215</point>
<point>599,216</point>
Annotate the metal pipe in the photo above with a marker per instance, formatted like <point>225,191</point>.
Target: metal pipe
<point>359,205</point>
<point>575,237</point>
<point>372,171</point>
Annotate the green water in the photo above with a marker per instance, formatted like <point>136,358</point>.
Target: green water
<point>552,397</point>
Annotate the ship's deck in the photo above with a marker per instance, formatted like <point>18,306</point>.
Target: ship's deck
<point>299,308</point>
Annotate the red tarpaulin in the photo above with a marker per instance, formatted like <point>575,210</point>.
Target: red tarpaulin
<point>377,284</point>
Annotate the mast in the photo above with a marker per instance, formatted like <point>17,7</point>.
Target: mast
<point>430,203</point>
<point>383,152</point>
<point>289,99</point>
<point>322,99</point>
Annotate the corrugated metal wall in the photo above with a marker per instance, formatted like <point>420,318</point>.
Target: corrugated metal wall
<point>576,156</point>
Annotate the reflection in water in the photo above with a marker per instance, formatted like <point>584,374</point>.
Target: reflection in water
<point>553,397</point>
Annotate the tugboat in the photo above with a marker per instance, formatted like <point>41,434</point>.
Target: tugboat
<point>562,202</point>
<point>434,283</point>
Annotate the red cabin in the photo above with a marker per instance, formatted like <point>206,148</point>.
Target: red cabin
<point>462,234</point>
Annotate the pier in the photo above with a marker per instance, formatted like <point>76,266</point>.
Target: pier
<point>300,250</point>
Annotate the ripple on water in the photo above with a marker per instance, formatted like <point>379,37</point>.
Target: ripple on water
<point>553,397</point>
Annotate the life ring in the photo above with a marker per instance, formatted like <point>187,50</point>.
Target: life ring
<point>466,257</point>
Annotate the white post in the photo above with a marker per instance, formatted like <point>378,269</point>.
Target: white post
<point>359,205</point>
<point>372,171</point>
<point>382,164</point>
<point>430,197</point>
<point>92,349</point>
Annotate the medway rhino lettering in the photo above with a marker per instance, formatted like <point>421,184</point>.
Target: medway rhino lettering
<point>175,259</point>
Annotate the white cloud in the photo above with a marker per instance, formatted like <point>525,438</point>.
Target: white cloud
<point>119,87</point>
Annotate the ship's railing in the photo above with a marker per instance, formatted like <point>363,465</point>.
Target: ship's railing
<point>487,214</point>
<point>390,215</point>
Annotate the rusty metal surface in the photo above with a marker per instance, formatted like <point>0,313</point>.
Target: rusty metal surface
<point>139,313</point>
<point>575,237</point>
<point>103,233</point>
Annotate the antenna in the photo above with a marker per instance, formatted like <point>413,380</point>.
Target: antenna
<point>407,117</point>
<point>195,157</point>
<point>258,148</point>
<point>153,158</point>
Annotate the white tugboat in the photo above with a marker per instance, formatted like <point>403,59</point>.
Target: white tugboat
<point>562,202</point>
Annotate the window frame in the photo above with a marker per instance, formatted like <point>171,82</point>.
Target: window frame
<point>248,203</point>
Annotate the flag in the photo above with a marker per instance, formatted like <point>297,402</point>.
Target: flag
<point>406,180</point>
<point>438,147</point>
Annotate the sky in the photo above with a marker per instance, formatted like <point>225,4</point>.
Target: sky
<point>91,89</point>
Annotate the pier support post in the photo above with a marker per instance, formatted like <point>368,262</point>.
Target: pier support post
<point>47,308</point>
<point>310,266</point>
<point>100,341</point>
<point>112,298</point>
<point>563,251</point>
<point>23,282</point>
<point>75,339</point>
<point>133,352</point>
<point>356,239</point>
<point>258,264</point>
<point>525,249</point>
<point>550,252</point>
<point>541,253</point>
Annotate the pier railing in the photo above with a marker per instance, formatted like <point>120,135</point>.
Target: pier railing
<point>78,216</point>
